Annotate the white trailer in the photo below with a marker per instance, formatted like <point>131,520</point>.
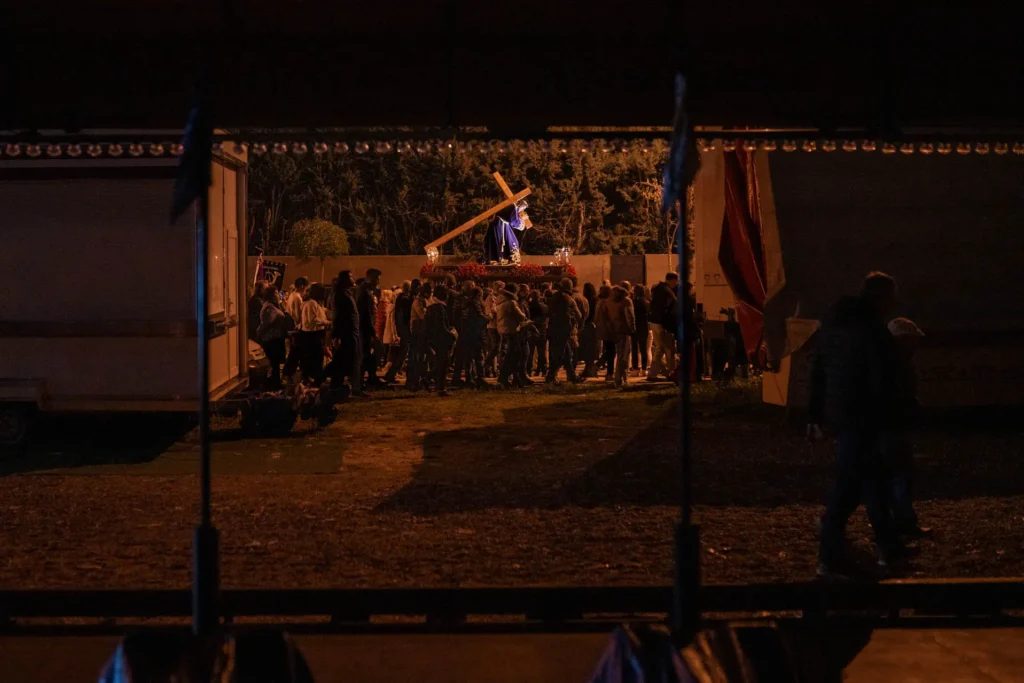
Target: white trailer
<point>99,306</point>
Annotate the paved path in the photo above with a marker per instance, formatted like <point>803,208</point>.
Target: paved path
<point>894,656</point>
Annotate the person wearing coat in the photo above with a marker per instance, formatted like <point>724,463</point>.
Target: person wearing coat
<point>641,347</point>
<point>621,326</point>
<point>440,336</point>
<point>400,319</point>
<point>604,333</point>
<point>470,346</point>
<point>509,316</point>
<point>538,311</point>
<point>563,318</point>
<point>272,331</point>
<point>347,360</point>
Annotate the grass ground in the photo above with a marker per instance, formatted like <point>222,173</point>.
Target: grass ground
<point>547,486</point>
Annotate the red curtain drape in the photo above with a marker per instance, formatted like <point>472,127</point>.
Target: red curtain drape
<point>740,251</point>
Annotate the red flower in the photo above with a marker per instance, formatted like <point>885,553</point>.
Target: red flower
<point>570,270</point>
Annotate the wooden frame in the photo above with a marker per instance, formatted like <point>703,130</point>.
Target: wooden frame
<point>508,194</point>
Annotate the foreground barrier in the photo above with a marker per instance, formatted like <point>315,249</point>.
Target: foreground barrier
<point>892,599</point>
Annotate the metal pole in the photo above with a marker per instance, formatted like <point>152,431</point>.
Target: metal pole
<point>205,568</point>
<point>686,583</point>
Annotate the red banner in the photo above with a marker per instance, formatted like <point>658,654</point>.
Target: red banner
<point>740,252</point>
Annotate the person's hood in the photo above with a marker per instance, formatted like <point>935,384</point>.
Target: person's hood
<point>433,301</point>
<point>504,297</point>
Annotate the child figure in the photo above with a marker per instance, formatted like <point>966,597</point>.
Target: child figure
<point>897,444</point>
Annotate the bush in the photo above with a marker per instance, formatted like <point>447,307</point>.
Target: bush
<point>317,238</point>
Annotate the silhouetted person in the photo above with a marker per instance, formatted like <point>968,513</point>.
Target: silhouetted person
<point>538,346</point>
<point>419,349</point>
<point>563,317</point>
<point>440,336</point>
<point>853,393</point>
<point>640,344</point>
<point>662,319</point>
<point>366,301</point>
<point>471,336</point>
<point>347,361</point>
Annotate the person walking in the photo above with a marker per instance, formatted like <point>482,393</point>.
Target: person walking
<point>440,336</point>
<point>537,347</point>
<point>605,334</point>
<point>584,308</point>
<point>272,330</point>
<point>662,320</point>
<point>563,317</point>
<point>366,300</point>
<point>896,442</point>
<point>254,307</point>
<point>313,334</point>
<point>402,320</point>
<point>589,344</point>
<point>345,326</point>
<point>471,337</point>
<point>293,307</point>
<point>640,343</point>
<point>853,392</point>
<point>381,347</point>
<point>493,337</point>
<point>419,351</point>
<point>510,315</point>
<point>621,326</point>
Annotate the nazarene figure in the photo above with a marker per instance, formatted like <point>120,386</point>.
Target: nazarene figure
<point>501,245</point>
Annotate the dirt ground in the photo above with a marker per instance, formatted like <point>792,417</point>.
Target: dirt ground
<point>547,486</point>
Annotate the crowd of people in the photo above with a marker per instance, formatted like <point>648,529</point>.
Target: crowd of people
<point>436,335</point>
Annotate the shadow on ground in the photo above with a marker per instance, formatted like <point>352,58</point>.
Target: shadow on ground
<point>625,453</point>
<point>69,441</point>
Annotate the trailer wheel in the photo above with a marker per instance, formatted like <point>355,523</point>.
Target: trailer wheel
<point>15,422</point>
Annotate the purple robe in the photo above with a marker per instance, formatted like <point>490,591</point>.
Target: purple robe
<point>501,245</point>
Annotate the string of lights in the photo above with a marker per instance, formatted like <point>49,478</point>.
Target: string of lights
<point>55,150</point>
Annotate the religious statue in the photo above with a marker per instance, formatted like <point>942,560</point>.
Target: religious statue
<point>501,244</point>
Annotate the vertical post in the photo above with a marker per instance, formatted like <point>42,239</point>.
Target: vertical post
<point>686,580</point>
<point>205,569</point>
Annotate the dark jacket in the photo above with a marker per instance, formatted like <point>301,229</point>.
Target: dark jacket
<point>367,305</point>
<point>640,309</point>
<point>438,330</point>
<point>539,316</point>
<point>473,322</point>
<point>403,314</point>
<point>663,306</point>
<point>852,375</point>
<point>345,327</point>
<point>563,315</point>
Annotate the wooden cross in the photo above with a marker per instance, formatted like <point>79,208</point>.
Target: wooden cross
<point>508,193</point>
<point>511,199</point>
